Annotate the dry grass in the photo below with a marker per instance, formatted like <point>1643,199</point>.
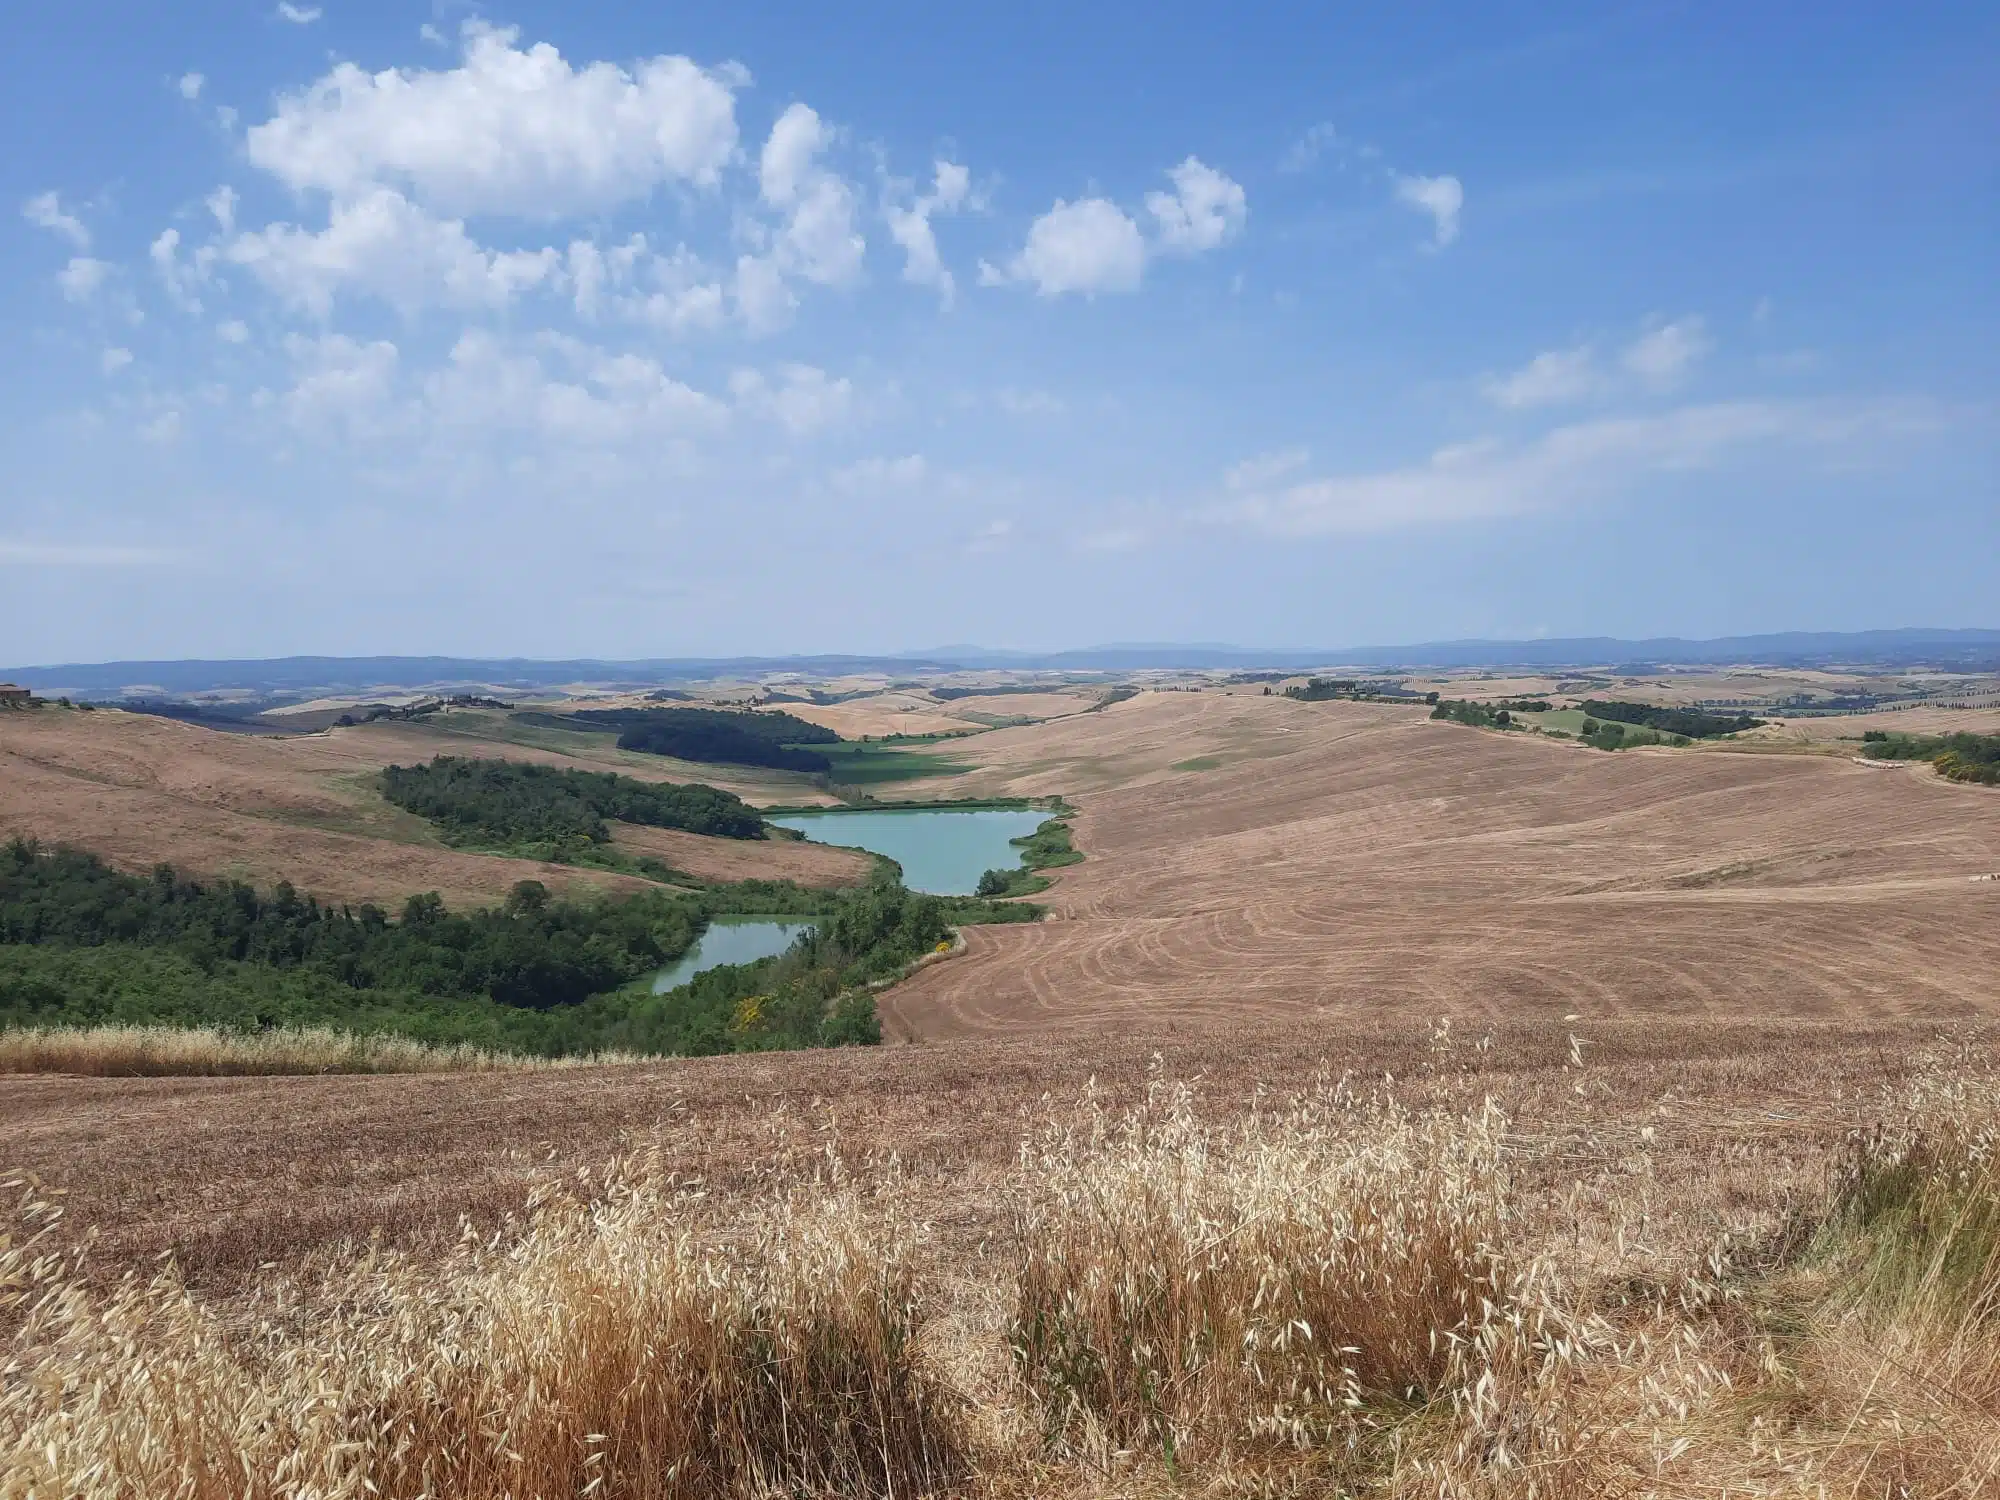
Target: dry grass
<point>1332,1293</point>
<point>613,1350</point>
<point>177,1051</point>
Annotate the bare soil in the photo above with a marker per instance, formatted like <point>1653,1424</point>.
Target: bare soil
<point>140,790</point>
<point>1350,860</point>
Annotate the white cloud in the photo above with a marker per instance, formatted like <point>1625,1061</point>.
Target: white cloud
<point>1664,356</point>
<point>631,282</point>
<point>298,15</point>
<point>803,399</point>
<point>763,301</point>
<point>234,331</point>
<point>162,429</point>
<point>190,85</point>
<point>1307,148</point>
<point>45,211</point>
<point>385,246</point>
<point>342,384</point>
<point>819,241</point>
<point>114,360</point>
<point>1255,473</point>
<point>1557,375</point>
<point>872,475</point>
<point>1088,246</point>
<point>1206,208</point>
<point>911,227</point>
<point>1572,465</point>
<point>222,205</point>
<point>81,278</point>
<point>84,555</point>
<point>509,131</point>
<point>181,278</point>
<point>787,159</point>
<point>1440,197</point>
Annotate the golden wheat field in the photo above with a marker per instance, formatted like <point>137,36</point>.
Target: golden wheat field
<point>1388,1108</point>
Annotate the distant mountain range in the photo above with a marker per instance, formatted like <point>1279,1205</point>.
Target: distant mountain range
<point>294,675</point>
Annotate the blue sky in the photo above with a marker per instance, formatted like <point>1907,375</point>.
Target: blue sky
<point>580,329</point>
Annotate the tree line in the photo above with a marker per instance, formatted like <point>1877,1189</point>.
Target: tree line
<point>514,802</point>
<point>84,944</point>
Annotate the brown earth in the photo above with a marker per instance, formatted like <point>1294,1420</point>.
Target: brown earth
<point>1343,860</point>
<point>745,859</point>
<point>236,1174</point>
<point>140,790</point>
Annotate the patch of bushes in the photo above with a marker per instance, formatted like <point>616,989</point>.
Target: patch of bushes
<point>1959,757</point>
<point>1690,723</point>
<point>1478,715</point>
<point>509,802</point>
<point>717,736</point>
<point>1047,848</point>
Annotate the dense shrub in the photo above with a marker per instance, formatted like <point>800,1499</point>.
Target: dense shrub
<point>508,802</point>
<point>1691,723</point>
<point>1961,757</point>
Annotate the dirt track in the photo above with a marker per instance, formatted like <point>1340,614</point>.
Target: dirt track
<point>1357,860</point>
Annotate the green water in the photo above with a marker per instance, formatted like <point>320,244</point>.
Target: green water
<point>943,852</point>
<point>730,940</point>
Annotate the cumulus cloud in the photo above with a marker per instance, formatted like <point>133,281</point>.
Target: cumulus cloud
<point>181,278</point>
<point>910,227</point>
<point>233,331</point>
<point>298,15</point>
<point>802,398</point>
<point>114,360</point>
<point>1440,197</point>
<point>1571,465</point>
<point>45,211</point>
<point>819,241</point>
<point>382,244</point>
<point>673,293</point>
<point>787,158</point>
<point>1664,356</point>
<point>509,131</point>
<point>1205,210</point>
<point>341,384</point>
<point>1089,246</point>
<point>81,278</point>
<point>190,85</point>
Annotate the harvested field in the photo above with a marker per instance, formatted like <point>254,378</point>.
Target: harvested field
<point>1344,859</point>
<point>140,790</point>
<point>230,1173</point>
<point>745,859</point>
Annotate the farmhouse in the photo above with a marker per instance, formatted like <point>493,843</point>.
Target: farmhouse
<point>14,697</point>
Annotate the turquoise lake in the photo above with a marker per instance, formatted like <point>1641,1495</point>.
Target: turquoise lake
<point>942,852</point>
<point>730,940</point>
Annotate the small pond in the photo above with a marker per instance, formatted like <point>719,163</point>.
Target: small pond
<point>730,940</point>
<point>942,851</point>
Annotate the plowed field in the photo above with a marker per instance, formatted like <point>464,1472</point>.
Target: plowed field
<point>140,790</point>
<point>1355,860</point>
